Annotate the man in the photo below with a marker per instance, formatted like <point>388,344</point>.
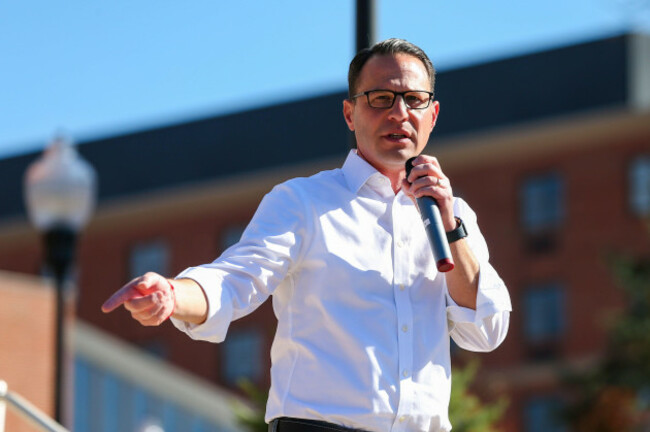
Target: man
<point>364,317</point>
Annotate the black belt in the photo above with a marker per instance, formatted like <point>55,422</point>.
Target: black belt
<point>290,424</point>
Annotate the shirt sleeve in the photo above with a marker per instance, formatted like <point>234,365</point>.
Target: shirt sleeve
<point>486,327</point>
<point>247,273</point>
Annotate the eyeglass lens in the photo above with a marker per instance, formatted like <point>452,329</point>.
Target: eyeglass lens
<point>386,99</point>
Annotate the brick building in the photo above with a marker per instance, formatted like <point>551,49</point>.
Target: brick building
<point>26,363</point>
<point>552,150</point>
<point>117,387</point>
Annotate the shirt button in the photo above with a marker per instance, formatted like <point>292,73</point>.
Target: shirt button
<point>401,287</point>
<point>400,244</point>
<point>405,328</point>
<point>405,373</point>
<point>402,418</point>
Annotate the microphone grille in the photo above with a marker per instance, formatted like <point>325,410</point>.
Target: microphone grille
<point>409,165</point>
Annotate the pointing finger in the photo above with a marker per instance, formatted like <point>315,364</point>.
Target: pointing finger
<point>134,289</point>
<point>124,294</point>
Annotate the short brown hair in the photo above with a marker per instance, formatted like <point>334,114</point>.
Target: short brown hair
<point>387,47</point>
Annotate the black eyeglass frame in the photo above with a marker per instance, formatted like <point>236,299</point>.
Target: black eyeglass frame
<point>395,94</point>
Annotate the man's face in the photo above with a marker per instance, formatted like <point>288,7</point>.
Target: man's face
<point>387,138</point>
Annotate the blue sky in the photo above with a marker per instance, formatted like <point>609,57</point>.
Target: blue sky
<point>99,68</point>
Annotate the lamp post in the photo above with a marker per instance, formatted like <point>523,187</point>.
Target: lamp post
<point>60,189</point>
<point>365,20</point>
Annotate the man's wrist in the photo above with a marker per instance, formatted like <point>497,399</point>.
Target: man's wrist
<point>173,295</point>
<point>457,233</point>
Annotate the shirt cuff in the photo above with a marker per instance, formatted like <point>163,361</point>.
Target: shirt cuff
<point>492,298</point>
<point>220,309</point>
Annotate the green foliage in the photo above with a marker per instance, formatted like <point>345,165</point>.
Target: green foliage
<point>612,396</point>
<point>628,361</point>
<point>466,411</point>
<point>253,419</point>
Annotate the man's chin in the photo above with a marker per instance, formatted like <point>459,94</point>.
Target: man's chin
<point>392,159</point>
<point>397,160</point>
<point>400,156</point>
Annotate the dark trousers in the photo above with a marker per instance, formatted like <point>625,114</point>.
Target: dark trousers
<point>290,424</point>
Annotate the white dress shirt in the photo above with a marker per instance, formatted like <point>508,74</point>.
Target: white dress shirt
<point>364,317</point>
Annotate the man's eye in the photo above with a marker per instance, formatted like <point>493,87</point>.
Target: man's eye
<point>414,100</point>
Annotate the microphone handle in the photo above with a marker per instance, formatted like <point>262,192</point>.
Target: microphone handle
<point>432,220</point>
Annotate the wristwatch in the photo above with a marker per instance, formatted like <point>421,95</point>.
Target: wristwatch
<point>458,233</point>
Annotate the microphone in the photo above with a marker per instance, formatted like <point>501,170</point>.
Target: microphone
<point>430,213</point>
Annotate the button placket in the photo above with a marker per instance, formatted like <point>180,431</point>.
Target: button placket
<point>401,266</point>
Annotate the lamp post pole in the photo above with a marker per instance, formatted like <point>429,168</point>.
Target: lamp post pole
<point>364,36</point>
<point>59,245</point>
<point>365,20</point>
<point>60,196</point>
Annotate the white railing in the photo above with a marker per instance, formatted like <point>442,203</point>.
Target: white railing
<point>28,411</point>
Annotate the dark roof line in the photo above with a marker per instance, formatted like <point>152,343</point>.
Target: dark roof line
<point>485,96</point>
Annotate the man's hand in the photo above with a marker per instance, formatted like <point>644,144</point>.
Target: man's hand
<point>149,298</point>
<point>427,179</point>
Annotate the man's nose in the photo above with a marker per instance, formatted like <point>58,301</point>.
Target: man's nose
<point>399,109</point>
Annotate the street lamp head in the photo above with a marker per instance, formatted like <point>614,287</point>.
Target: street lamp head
<point>60,188</point>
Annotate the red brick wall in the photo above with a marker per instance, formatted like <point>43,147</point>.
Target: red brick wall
<point>597,223</point>
<point>26,343</point>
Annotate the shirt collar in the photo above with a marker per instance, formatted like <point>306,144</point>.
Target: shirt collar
<point>357,171</point>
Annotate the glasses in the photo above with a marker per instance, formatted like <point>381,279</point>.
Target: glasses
<point>384,99</point>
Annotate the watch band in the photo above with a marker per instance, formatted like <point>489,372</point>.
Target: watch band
<point>458,233</point>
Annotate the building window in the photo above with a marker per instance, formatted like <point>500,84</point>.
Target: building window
<point>156,347</point>
<point>640,186</point>
<point>544,315</point>
<point>242,356</point>
<point>108,401</point>
<point>542,414</point>
<point>230,236</point>
<point>152,256</point>
<point>542,203</point>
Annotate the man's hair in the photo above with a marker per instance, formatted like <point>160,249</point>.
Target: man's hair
<point>387,47</point>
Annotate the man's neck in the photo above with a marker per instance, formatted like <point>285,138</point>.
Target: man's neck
<point>394,175</point>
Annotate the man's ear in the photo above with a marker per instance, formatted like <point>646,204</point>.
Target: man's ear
<point>435,110</point>
<point>348,113</point>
